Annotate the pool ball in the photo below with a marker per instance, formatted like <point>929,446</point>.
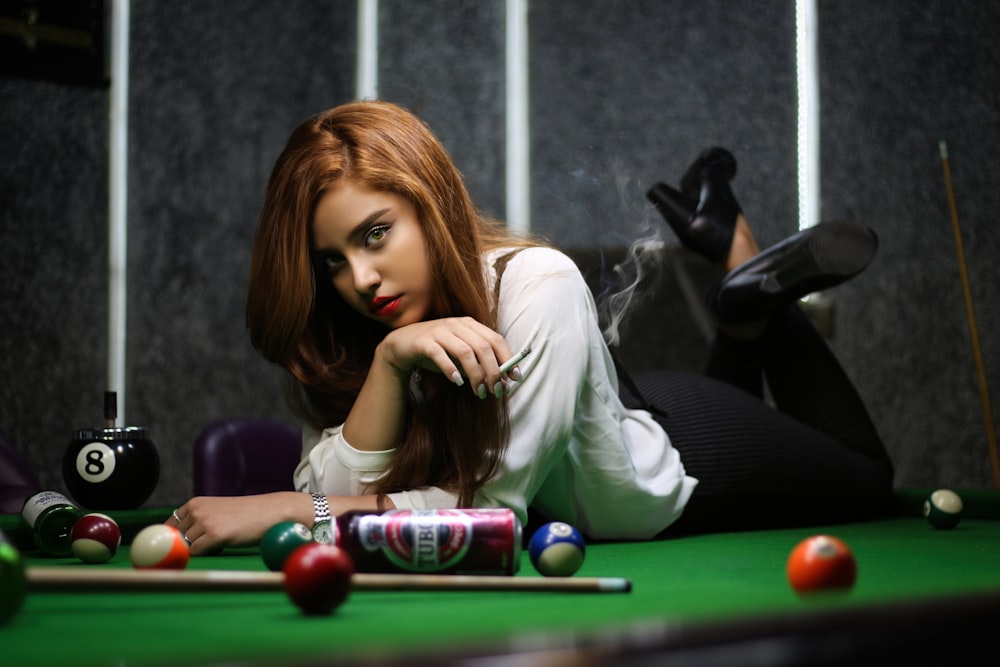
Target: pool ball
<point>95,538</point>
<point>111,468</point>
<point>557,549</point>
<point>159,547</point>
<point>318,577</point>
<point>821,563</point>
<point>13,580</point>
<point>280,541</point>
<point>943,509</point>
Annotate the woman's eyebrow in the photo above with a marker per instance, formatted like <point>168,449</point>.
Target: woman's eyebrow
<point>362,227</point>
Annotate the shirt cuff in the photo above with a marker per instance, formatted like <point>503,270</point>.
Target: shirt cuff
<point>424,499</point>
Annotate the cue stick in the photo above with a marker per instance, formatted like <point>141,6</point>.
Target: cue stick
<point>970,312</point>
<point>58,579</point>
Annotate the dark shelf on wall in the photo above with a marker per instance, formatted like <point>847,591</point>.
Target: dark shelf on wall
<point>65,41</point>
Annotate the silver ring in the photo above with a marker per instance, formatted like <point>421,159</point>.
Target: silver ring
<point>184,535</point>
<point>176,518</point>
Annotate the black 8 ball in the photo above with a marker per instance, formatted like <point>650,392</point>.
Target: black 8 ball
<point>111,468</point>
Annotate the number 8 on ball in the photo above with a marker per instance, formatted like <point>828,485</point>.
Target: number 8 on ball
<point>95,462</point>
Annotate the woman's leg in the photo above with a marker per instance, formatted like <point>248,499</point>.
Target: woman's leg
<point>818,458</point>
<point>804,378</point>
<point>757,467</point>
<point>808,383</point>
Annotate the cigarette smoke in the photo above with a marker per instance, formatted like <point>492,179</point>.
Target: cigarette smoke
<point>614,307</point>
<point>643,261</point>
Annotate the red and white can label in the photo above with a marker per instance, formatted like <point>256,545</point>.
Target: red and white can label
<point>418,540</point>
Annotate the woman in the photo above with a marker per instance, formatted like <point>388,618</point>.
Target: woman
<point>392,303</point>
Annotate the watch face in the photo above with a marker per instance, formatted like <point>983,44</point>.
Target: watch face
<point>322,533</point>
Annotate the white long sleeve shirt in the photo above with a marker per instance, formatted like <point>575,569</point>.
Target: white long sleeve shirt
<point>575,452</point>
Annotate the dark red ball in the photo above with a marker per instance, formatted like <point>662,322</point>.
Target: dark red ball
<point>95,538</point>
<point>318,577</point>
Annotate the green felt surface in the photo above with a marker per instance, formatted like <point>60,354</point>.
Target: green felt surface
<point>685,581</point>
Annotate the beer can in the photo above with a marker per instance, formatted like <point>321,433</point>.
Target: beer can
<point>439,541</point>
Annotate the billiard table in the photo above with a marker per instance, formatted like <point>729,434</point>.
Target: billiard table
<point>923,596</point>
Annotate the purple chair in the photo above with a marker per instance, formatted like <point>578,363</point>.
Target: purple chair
<point>17,479</point>
<point>241,457</point>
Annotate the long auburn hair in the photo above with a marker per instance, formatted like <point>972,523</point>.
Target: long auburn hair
<point>297,320</point>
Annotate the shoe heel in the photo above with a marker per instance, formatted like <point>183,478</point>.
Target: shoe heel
<point>703,213</point>
<point>675,207</point>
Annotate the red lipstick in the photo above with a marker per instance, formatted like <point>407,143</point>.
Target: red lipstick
<point>383,306</point>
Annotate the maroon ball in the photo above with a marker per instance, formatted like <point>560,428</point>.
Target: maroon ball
<point>318,577</point>
<point>95,538</point>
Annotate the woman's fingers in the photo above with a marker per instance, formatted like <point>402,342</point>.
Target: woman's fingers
<point>210,523</point>
<point>465,350</point>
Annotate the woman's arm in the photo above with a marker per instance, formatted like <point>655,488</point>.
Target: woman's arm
<point>378,416</point>
<point>454,346</point>
<point>463,349</point>
<point>211,523</point>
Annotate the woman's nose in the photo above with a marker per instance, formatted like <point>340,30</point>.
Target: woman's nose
<point>366,277</point>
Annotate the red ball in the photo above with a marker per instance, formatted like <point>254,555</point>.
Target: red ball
<point>159,547</point>
<point>318,577</point>
<point>821,563</point>
<point>95,538</point>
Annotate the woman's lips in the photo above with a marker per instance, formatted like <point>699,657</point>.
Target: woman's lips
<point>384,306</point>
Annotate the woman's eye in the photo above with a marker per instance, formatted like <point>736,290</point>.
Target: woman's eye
<point>376,234</point>
<point>330,263</point>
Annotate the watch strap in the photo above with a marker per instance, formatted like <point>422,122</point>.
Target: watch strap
<point>321,508</point>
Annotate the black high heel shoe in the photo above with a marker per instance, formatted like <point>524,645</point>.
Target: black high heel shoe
<point>703,215</point>
<point>814,259</point>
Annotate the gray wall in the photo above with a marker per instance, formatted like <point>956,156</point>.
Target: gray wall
<point>623,93</point>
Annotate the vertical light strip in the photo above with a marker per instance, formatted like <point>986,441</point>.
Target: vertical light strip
<point>118,201</point>
<point>518,159</point>
<point>366,81</point>
<point>807,70</point>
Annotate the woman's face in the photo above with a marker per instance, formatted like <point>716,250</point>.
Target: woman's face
<point>372,246</point>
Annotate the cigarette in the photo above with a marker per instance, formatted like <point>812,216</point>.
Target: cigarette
<point>515,360</point>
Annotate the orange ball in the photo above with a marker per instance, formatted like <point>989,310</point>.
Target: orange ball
<point>821,563</point>
<point>159,547</point>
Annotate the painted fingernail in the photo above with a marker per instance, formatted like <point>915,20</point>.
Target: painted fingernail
<point>498,389</point>
<point>481,391</point>
<point>516,374</point>
<point>456,377</point>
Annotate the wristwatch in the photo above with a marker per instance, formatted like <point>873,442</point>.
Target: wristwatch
<point>322,530</point>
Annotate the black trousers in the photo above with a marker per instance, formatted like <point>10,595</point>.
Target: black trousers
<point>814,458</point>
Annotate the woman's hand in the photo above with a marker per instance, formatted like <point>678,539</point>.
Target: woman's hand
<point>459,347</point>
<point>212,523</point>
